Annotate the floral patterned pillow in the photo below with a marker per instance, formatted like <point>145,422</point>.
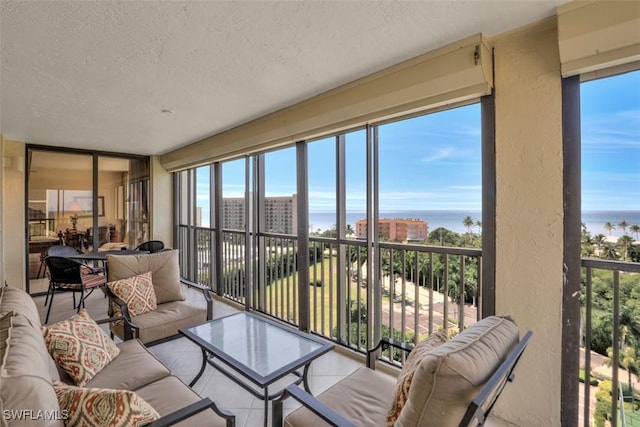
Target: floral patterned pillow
<point>403,383</point>
<point>137,292</point>
<point>89,407</point>
<point>79,346</point>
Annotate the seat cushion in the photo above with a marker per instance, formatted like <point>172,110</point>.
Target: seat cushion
<point>451,374</point>
<point>25,381</point>
<point>403,384</point>
<point>170,394</point>
<point>134,367</point>
<point>164,268</point>
<point>164,321</point>
<point>137,292</point>
<point>363,397</point>
<point>79,346</point>
<point>14,299</point>
<point>86,407</point>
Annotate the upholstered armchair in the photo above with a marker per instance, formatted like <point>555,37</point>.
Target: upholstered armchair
<point>157,320</point>
<point>443,383</point>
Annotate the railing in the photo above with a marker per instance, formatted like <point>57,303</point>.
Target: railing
<point>413,289</point>
<point>611,331</point>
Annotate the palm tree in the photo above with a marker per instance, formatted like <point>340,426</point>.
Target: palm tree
<point>608,226</point>
<point>468,222</point>
<point>624,242</point>
<point>628,361</point>
<point>635,229</point>
<point>599,240</point>
<point>479,225</point>
<point>623,224</point>
<point>609,251</point>
<point>349,230</point>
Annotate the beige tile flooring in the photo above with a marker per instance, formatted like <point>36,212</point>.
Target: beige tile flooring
<point>184,359</point>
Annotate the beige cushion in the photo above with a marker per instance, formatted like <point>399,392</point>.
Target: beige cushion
<point>164,268</point>
<point>79,346</point>
<point>25,382</point>
<point>451,374</point>
<point>363,397</point>
<point>14,299</point>
<point>405,378</point>
<point>103,407</point>
<point>137,292</point>
<point>134,367</point>
<point>170,394</point>
<point>164,321</point>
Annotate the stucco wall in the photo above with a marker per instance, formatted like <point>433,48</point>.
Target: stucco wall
<point>2,267</point>
<point>13,213</point>
<point>529,215</point>
<point>161,203</point>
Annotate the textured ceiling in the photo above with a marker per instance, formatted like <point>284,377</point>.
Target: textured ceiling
<point>99,74</point>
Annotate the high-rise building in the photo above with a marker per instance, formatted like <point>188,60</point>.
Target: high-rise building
<point>279,214</point>
<point>397,229</point>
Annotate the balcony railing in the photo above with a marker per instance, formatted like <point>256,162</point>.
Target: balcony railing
<point>610,332</point>
<point>406,291</point>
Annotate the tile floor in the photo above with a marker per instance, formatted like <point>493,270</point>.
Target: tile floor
<point>184,359</point>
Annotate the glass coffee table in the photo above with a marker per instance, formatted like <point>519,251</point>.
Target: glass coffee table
<point>260,350</point>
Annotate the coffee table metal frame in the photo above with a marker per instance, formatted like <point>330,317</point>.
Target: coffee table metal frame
<point>210,352</point>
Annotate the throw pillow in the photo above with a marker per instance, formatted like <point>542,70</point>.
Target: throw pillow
<point>403,383</point>
<point>79,347</point>
<point>137,292</point>
<point>89,407</point>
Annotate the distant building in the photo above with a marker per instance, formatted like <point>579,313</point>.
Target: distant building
<point>279,214</point>
<point>396,229</point>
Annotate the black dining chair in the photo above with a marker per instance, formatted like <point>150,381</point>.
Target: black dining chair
<point>69,275</point>
<point>152,246</point>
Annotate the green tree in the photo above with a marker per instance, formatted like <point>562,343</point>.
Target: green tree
<point>623,224</point>
<point>599,240</point>
<point>624,243</point>
<point>468,222</point>
<point>628,361</point>
<point>608,226</point>
<point>635,228</point>
<point>609,251</point>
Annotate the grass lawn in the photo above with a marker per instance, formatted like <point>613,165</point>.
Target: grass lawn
<point>281,296</point>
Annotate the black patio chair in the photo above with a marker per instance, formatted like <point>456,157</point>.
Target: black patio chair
<point>69,275</point>
<point>152,246</point>
<point>67,251</point>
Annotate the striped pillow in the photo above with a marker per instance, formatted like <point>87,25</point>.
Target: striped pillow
<point>89,407</point>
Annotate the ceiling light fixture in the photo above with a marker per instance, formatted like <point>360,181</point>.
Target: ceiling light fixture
<point>166,111</point>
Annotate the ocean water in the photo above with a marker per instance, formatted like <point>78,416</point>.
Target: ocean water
<point>452,219</point>
<point>595,221</point>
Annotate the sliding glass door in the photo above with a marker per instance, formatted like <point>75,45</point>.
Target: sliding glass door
<point>85,200</point>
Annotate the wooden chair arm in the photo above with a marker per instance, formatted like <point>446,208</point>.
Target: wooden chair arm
<point>193,409</point>
<point>308,401</point>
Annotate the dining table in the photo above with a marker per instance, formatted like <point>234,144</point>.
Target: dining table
<point>101,256</point>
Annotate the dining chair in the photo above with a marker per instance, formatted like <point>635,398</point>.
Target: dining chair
<point>152,246</point>
<point>69,275</point>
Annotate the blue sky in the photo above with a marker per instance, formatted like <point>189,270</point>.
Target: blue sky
<point>433,162</point>
<point>610,110</point>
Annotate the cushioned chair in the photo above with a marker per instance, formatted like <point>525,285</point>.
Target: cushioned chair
<point>152,246</point>
<point>69,275</point>
<point>173,312</point>
<point>453,383</point>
